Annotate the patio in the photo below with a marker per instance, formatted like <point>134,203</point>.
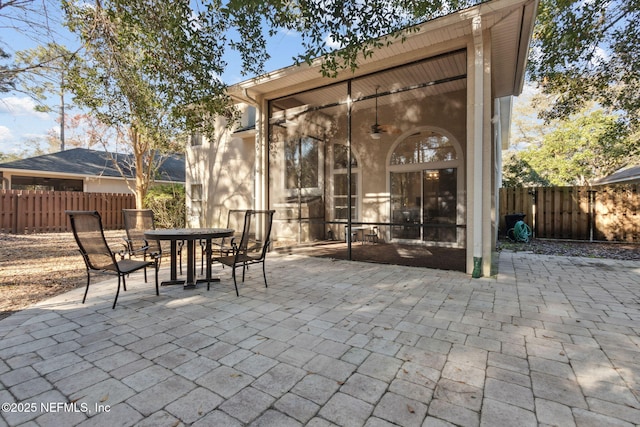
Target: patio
<point>550,341</point>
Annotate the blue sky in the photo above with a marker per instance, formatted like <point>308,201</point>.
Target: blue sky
<point>19,122</point>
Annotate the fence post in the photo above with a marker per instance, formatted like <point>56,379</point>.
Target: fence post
<point>16,213</point>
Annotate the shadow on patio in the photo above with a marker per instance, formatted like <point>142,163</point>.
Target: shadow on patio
<point>387,253</point>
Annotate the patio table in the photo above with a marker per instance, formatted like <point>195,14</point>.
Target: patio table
<point>190,236</point>
<point>355,231</point>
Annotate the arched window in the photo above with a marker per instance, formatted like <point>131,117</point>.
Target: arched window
<point>423,147</point>
<point>424,185</point>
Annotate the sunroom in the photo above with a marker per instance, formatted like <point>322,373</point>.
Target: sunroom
<point>406,147</point>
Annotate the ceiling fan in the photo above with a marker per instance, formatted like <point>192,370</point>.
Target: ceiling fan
<point>377,129</point>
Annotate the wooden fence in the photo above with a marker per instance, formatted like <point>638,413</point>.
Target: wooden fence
<point>35,211</point>
<point>605,213</point>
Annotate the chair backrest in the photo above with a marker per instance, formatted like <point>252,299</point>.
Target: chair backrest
<point>235,220</point>
<point>87,230</point>
<point>136,222</point>
<point>256,233</point>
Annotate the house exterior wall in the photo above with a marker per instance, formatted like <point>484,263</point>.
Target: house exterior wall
<point>106,185</point>
<point>221,173</point>
<point>89,184</point>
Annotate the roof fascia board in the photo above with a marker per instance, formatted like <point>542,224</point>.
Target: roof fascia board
<point>31,172</point>
<point>526,30</point>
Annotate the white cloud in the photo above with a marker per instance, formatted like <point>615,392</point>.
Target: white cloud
<point>23,106</point>
<point>5,134</point>
<point>328,40</point>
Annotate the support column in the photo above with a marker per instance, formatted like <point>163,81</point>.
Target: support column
<point>489,163</point>
<point>475,152</point>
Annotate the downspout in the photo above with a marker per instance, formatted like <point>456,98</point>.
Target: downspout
<point>349,201</point>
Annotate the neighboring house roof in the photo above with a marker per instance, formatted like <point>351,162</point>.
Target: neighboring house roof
<point>85,162</point>
<point>628,174</point>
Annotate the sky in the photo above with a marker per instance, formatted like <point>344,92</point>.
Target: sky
<point>19,122</point>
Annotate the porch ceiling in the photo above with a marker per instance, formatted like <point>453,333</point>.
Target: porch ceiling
<point>510,23</point>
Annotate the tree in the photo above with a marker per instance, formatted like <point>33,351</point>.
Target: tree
<point>584,51</point>
<point>115,82</point>
<point>32,19</point>
<point>517,172</point>
<point>581,149</point>
<point>45,72</point>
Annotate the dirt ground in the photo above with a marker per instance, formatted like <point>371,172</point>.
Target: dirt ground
<point>37,266</point>
<point>34,267</point>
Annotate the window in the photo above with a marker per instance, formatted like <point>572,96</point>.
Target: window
<point>302,157</point>
<point>340,194</point>
<point>424,188</point>
<point>196,139</point>
<point>196,200</point>
<point>421,148</point>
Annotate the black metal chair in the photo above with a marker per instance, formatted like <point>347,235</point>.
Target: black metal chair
<point>222,247</point>
<point>89,235</point>
<point>252,246</point>
<point>136,222</point>
<point>372,235</point>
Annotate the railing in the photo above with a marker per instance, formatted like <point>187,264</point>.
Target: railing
<point>36,211</point>
<point>604,212</point>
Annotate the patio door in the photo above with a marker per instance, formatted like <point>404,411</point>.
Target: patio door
<point>439,207</point>
<point>424,205</point>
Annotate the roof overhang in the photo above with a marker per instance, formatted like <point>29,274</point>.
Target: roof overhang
<point>510,23</point>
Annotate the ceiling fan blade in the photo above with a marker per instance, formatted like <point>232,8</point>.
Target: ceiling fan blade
<point>376,128</point>
<point>389,129</point>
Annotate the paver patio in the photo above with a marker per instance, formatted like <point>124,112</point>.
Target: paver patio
<point>549,341</point>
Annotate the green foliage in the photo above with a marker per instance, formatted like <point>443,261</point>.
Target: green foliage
<point>517,172</point>
<point>168,205</point>
<point>358,29</point>
<point>585,51</point>
<point>577,152</point>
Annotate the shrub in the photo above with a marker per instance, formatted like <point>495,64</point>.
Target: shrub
<point>168,204</point>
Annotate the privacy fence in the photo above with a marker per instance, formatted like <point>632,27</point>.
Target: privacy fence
<point>34,211</point>
<point>598,213</point>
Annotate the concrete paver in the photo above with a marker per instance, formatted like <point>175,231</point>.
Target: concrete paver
<point>548,341</point>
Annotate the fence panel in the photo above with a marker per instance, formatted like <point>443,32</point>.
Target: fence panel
<point>36,211</point>
<point>515,201</point>
<point>617,213</point>
<point>610,212</point>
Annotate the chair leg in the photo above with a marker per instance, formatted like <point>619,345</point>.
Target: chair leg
<point>264,274</point>
<point>157,266</point>
<point>87,290</point>
<point>235,283</point>
<point>118,291</point>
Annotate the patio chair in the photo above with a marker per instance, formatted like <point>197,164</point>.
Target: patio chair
<point>235,220</point>
<point>89,235</point>
<point>136,222</point>
<point>252,246</point>
<point>372,235</point>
